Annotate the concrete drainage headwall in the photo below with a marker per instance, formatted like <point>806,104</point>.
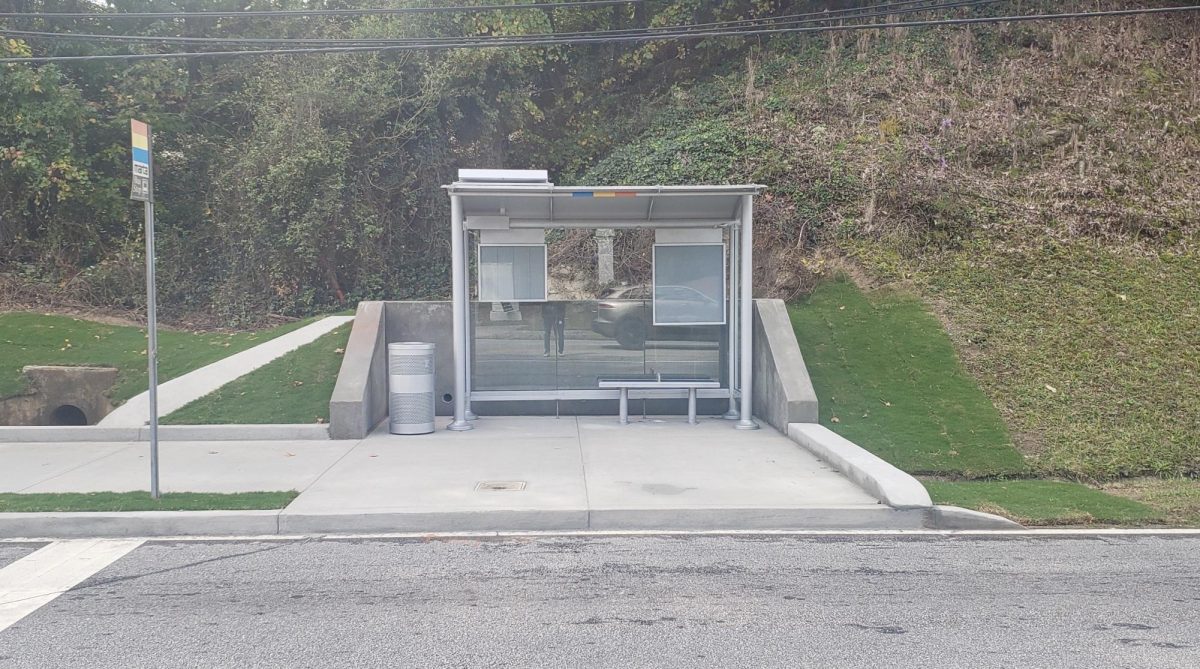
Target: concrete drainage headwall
<point>61,396</point>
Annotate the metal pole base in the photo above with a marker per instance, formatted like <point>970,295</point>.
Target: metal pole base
<point>460,426</point>
<point>471,415</point>
<point>732,414</point>
<point>746,425</point>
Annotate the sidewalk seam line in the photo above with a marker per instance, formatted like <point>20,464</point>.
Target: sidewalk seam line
<point>587,499</point>
<point>81,465</point>
<point>322,475</point>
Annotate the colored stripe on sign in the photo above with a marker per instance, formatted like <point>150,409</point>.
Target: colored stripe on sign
<point>141,156</point>
<point>139,128</point>
<point>140,142</point>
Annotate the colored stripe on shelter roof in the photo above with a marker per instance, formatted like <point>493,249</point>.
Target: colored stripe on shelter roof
<point>604,193</point>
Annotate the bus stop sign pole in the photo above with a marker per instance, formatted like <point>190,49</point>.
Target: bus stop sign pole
<point>143,190</point>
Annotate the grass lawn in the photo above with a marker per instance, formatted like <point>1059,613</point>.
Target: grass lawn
<point>37,339</point>
<point>888,379</point>
<point>1178,499</point>
<point>295,388</point>
<point>141,501</point>
<point>1091,353</point>
<point>1043,502</point>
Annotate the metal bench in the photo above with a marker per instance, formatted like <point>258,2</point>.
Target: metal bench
<point>658,382</point>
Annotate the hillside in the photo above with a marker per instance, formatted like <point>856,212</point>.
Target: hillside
<point>1036,185</point>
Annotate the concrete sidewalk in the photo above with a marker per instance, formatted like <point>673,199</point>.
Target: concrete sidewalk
<point>181,391</point>
<point>511,473</point>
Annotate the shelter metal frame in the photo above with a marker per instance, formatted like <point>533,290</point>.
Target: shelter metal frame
<point>524,199</point>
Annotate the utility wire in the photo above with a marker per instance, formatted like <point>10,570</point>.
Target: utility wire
<point>892,9</point>
<point>492,43</point>
<point>465,9</point>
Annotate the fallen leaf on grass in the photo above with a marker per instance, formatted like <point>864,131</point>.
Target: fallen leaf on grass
<point>1051,388</point>
<point>835,419</point>
<point>339,350</point>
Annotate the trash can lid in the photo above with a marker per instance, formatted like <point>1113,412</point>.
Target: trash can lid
<point>410,345</point>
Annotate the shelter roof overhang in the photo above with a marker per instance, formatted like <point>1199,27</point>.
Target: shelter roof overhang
<point>544,205</point>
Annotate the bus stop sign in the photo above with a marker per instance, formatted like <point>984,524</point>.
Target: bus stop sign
<point>143,186</point>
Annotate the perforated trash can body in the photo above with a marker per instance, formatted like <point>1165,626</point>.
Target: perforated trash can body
<point>410,388</point>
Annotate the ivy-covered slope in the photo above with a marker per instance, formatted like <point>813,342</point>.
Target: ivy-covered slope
<point>1035,183</point>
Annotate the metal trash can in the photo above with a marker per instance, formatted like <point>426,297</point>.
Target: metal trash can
<point>410,388</point>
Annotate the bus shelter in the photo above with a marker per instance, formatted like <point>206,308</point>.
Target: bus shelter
<point>684,330</point>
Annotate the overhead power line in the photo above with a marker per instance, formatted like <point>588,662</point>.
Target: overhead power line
<point>570,41</point>
<point>472,9</point>
<point>888,9</point>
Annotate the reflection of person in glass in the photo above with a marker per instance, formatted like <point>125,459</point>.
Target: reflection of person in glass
<point>554,317</point>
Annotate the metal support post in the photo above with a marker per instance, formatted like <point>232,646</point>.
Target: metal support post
<point>458,262</point>
<point>732,328</point>
<point>152,348</point>
<point>746,308</point>
<point>470,312</point>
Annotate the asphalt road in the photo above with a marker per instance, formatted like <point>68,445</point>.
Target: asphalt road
<point>929,601</point>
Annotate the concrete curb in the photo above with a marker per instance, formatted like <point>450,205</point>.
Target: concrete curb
<point>262,432</point>
<point>942,517</point>
<point>433,521</point>
<point>282,522</point>
<point>887,483</point>
<point>750,518</point>
<point>138,524</point>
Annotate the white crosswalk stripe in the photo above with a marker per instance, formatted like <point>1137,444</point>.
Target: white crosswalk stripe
<point>36,579</point>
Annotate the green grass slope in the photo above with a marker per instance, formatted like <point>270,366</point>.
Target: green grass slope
<point>1091,354</point>
<point>1043,502</point>
<point>887,378</point>
<point>294,388</point>
<point>44,339</point>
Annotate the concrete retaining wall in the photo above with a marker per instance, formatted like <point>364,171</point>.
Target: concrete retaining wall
<point>429,322</point>
<point>359,399</point>
<point>783,393</point>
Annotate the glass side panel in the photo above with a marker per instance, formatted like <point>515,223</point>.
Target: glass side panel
<point>591,345</point>
<point>507,348</point>
<point>569,345</point>
<point>694,350</point>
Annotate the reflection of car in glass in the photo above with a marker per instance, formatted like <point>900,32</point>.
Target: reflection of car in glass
<point>624,313</point>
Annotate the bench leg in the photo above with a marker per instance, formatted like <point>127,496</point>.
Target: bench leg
<point>624,406</point>
<point>692,406</point>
